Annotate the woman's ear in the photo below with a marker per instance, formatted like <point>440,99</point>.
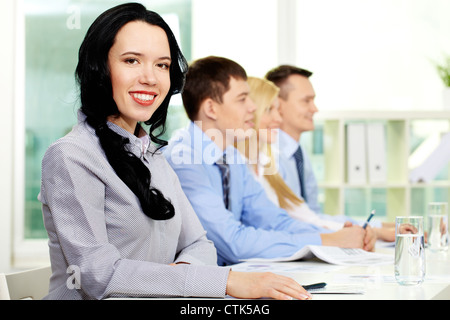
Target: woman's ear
<point>209,109</point>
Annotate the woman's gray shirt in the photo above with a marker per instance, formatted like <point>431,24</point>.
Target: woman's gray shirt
<point>102,244</point>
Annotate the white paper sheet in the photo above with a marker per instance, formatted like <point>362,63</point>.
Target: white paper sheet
<point>286,268</point>
<point>336,255</point>
<point>339,289</point>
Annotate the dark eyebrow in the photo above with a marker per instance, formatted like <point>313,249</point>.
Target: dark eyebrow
<point>166,58</point>
<point>243,95</point>
<point>132,53</point>
<point>140,54</point>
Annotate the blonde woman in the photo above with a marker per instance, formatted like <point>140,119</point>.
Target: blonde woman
<point>260,155</point>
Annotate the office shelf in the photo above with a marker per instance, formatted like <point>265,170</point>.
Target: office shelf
<point>403,132</point>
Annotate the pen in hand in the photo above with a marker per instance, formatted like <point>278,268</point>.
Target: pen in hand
<point>368,219</point>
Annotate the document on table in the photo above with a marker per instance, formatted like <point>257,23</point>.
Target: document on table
<point>336,255</point>
<point>286,268</point>
<point>339,289</point>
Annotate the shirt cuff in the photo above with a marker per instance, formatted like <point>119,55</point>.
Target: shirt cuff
<point>207,281</point>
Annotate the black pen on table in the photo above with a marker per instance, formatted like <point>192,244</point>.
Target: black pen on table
<point>319,285</point>
<point>368,219</point>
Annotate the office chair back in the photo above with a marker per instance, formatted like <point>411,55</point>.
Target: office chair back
<point>30,284</point>
<point>4,293</point>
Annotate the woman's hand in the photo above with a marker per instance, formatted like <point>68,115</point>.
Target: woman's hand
<point>254,285</point>
<point>370,239</point>
<point>350,236</point>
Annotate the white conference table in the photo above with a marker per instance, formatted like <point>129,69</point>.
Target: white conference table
<point>376,282</point>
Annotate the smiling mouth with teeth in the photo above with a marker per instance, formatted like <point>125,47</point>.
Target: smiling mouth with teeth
<point>144,99</point>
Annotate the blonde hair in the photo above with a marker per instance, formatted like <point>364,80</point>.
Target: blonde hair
<point>263,93</point>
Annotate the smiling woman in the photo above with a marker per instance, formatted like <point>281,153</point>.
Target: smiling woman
<point>113,207</point>
<point>105,214</point>
<point>108,82</point>
<point>47,98</point>
<point>139,63</point>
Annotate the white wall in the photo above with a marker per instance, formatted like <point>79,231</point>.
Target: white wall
<point>365,54</point>
<point>7,28</point>
<point>242,30</point>
<point>374,54</point>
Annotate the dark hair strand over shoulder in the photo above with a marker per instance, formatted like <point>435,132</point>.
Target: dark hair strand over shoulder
<point>97,103</point>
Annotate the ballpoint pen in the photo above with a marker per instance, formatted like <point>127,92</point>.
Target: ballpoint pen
<point>319,285</point>
<point>368,219</point>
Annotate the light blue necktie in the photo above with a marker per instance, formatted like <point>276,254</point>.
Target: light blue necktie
<point>298,156</point>
<point>225,171</point>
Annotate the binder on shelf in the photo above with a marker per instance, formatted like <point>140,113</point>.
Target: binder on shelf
<point>376,153</point>
<point>434,163</point>
<point>356,153</point>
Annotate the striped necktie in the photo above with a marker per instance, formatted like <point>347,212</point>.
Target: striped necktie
<point>298,156</point>
<point>225,171</point>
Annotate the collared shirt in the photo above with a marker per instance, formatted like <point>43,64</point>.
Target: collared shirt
<point>254,227</point>
<point>288,170</point>
<point>99,236</point>
<point>301,211</point>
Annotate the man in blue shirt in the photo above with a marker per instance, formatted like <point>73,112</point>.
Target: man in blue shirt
<point>245,223</point>
<point>297,109</point>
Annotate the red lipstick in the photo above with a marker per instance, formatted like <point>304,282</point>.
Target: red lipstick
<point>144,98</point>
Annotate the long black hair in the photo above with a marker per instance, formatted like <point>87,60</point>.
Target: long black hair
<point>97,103</point>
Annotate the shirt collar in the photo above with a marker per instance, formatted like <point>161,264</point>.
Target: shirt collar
<point>288,145</point>
<point>201,142</point>
<point>145,140</point>
<point>137,145</point>
<point>191,145</point>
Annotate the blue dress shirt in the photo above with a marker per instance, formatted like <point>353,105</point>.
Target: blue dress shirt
<point>254,227</point>
<point>287,168</point>
<point>288,171</point>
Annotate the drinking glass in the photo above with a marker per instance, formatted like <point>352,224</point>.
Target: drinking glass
<point>437,226</point>
<point>409,250</point>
